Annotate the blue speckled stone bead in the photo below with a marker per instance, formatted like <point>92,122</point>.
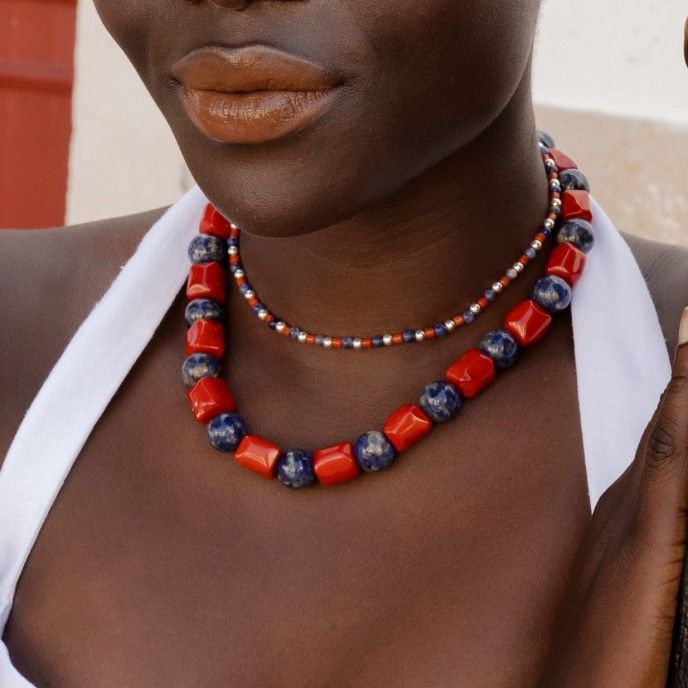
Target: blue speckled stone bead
<point>468,317</point>
<point>257,307</point>
<point>205,309</point>
<point>440,330</point>
<point>347,342</point>
<point>578,232</point>
<point>200,365</point>
<point>373,451</point>
<point>552,293</point>
<point>225,431</point>
<point>573,180</point>
<point>440,401</point>
<point>294,332</point>
<point>530,252</point>
<point>501,347</point>
<point>378,341</point>
<point>545,139</point>
<point>233,267</point>
<point>489,294</point>
<point>243,288</point>
<point>206,248</point>
<point>295,469</point>
<point>408,336</point>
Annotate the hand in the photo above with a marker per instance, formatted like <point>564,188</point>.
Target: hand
<point>615,628</point>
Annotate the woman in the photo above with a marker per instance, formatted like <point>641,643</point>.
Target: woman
<point>405,177</point>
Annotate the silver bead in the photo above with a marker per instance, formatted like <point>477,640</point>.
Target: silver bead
<point>556,202</point>
<point>232,251</point>
<point>511,274</point>
<point>518,266</point>
<point>262,314</point>
<point>548,223</point>
<point>239,273</point>
<point>249,293</point>
<point>302,337</point>
<point>279,326</point>
<point>327,342</point>
<point>420,335</point>
<point>475,308</point>
<point>387,339</point>
<point>536,244</point>
<point>233,226</point>
<point>358,342</point>
<point>555,185</point>
<point>450,325</point>
<point>497,287</point>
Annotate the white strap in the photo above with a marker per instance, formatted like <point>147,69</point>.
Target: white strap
<point>84,380</point>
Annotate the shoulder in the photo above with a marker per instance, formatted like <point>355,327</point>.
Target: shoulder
<point>50,279</point>
<point>665,268</point>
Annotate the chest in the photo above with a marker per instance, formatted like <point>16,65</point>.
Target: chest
<point>162,563</point>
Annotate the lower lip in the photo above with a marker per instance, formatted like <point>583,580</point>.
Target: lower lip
<point>253,117</point>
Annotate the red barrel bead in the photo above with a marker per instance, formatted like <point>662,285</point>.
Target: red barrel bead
<point>406,426</point>
<point>207,337</point>
<point>566,261</point>
<point>471,373</point>
<point>561,160</point>
<point>335,464</point>
<point>527,322</point>
<point>207,281</point>
<point>210,396</point>
<point>213,222</point>
<point>258,455</point>
<point>576,205</point>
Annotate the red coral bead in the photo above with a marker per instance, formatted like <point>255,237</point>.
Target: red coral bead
<point>258,455</point>
<point>210,396</point>
<point>561,160</point>
<point>213,222</point>
<point>576,205</point>
<point>528,322</point>
<point>566,261</point>
<point>207,337</point>
<point>335,464</point>
<point>471,373</point>
<point>206,280</point>
<point>406,426</point>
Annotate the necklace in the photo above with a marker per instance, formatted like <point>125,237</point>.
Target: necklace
<point>215,252</point>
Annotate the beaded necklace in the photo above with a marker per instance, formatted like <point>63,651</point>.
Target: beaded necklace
<point>215,254</point>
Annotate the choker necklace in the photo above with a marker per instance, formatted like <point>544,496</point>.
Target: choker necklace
<point>215,252</point>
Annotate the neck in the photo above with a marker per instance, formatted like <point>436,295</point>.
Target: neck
<point>424,253</point>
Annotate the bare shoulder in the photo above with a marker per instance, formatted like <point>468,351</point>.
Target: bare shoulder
<point>665,268</point>
<point>49,281</point>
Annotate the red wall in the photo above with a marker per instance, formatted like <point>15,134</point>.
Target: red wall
<point>36,75</point>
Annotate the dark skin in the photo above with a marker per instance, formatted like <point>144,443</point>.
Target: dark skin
<point>162,564</point>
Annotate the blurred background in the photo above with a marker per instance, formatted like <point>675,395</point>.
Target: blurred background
<point>80,139</point>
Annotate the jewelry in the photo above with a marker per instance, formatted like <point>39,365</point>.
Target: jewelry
<point>525,324</point>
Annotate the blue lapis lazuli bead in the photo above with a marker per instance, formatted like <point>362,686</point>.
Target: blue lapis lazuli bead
<point>440,401</point>
<point>206,248</point>
<point>294,332</point>
<point>257,307</point>
<point>440,330</point>
<point>233,267</point>
<point>319,339</point>
<point>295,469</point>
<point>232,241</point>
<point>530,252</point>
<point>225,431</point>
<point>272,324</point>
<point>577,232</point>
<point>501,347</point>
<point>200,365</point>
<point>373,451</point>
<point>573,180</point>
<point>378,341</point>
<point>489,294</point>
<point>243,288</point>
<point>468,317</point>
<point>347,342</point>
<point>552,293</point>
<point>205,309</point>
<point>545,139</point>
<point>408,336</point>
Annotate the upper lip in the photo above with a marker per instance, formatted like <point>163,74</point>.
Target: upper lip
<point>250,68</point>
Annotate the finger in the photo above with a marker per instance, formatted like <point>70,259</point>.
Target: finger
<point>663,492</point>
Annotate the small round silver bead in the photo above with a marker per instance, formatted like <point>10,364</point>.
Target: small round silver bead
<point>420,335</point>
<point>518,266</point>
<point>450,325</point>
<point>497,287</point>
<point>279,326</point>
<point>511,274</point>
<point>249,293</point>
<point>232,250</point>
<point>536,244</point>
<point>358,342</point>
<point>555,185</point>
<point>475,308</point>
<point>262,313</point>
<point>556,202</point>
<point>548,223</point>
<point>327,342</point>
<point>238,273</point>
<point>302,337</point>
<point>387,339</point>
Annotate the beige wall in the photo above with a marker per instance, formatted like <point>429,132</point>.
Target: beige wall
<point>622,61</point>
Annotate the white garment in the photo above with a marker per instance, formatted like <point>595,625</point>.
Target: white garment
<point>622,366</point>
